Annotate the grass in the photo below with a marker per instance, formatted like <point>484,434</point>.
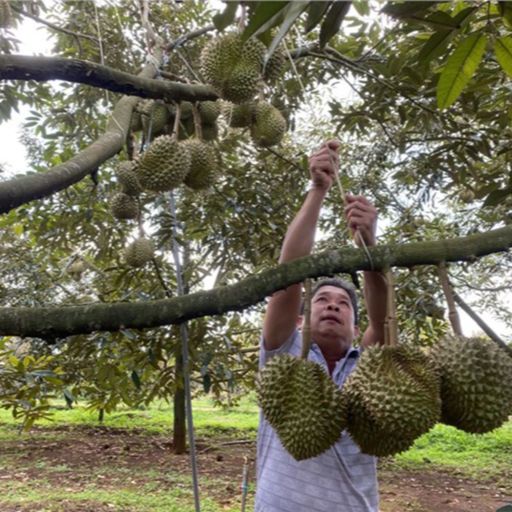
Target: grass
<point>482,457</point>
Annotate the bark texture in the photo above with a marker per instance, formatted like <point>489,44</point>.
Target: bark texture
<point>42,69</point>
<point>67,320</point>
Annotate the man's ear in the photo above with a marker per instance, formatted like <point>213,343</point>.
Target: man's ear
<point>298,322</point>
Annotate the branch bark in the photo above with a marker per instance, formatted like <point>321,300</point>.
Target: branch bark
<point>23,189</point>
<point>42,69</point>
<point>68,320</point>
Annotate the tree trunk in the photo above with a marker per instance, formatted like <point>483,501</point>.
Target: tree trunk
<point>180,427</point>
<point>101,415</point>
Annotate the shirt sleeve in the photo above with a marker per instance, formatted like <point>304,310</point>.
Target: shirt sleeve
<point>288,347</point>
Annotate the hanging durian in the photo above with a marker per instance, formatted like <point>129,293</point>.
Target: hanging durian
<point>393,397</point>
<point>233,67</point>
<point>300,400</point>
<point>203,164</point>
<point>476,383</point>
<point>164,165</point>
<point>126,175</point>
<point>209,111</point>
<point>275,65</point>
<point>268,126</point>
<point>239,116</point>
<point>124,206</point>
<point>154,115</point>
<point>139,252</point>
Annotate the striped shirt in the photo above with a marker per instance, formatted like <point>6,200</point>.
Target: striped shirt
<point>342,479</point>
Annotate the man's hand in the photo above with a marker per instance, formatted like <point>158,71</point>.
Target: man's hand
<point>361,218</point>
<point>324,164</point>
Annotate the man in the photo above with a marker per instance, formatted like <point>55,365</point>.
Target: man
<point>342,479</point>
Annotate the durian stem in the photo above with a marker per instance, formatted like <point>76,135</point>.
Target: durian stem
<point>390,324</point>
<point>306,324</point>
<point>176,127</point>
<point>197,121</point>
<point>450,299</point>
<point>243,18</point>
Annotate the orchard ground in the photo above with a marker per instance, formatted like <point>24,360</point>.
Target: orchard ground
<point>74,464</point>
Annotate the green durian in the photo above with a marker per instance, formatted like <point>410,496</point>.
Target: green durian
<point>476,383</point>
<point>126,175</point>
<point>239,116</point>
<point>268,126</point>
<point>155,115</point>
<point>124,206</point>
<point>209,111</point>
<point>139,252</point>
<point>203,164</point>
<point>164,165</point>
<point>303,405</point>
<point>393,398</point>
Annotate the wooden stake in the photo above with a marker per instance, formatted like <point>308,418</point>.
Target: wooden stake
<point>453,315</point>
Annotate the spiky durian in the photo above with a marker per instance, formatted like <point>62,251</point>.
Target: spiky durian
<point>139,252</point>
<point>393,397</point>
<point>209,111</point>
<point>274,67</point>
<point>127,177</point>
<point>155,116</point>
<point>164,165</point>
<point>124,206</point>
<point>302,404</point>
<point>233,67</point>
<point>268,126</point>
<point>203,164</point>
<point>239,116</point>
<point>476,383</point>
<point>5,14</point>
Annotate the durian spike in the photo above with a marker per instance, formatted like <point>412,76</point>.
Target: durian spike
<point>197,122</point>
<point>176,125</point>
<point>306,323</point>
<point>390,325</point>
<point>450,299</point>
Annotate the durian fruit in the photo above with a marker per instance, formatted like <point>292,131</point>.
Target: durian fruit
<point>5,14</point>
<point>156,115</point>
<point>76,268</point>
<point>268,126</point>
<point>203,164</point>
<point>164,165</point>
<point>127,177</point>
<point>209,111</point>
<point>275,65</point>
<point>233,67</point>
<point>303,405</point>
<point>239,116</point>
<point>393,397</point>
<point>476,383</point>
<point>139,252</point>
<point>124,206</point>
<point>136,121</point>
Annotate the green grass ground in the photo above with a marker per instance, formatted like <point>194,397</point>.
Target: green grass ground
<point>68,463</point>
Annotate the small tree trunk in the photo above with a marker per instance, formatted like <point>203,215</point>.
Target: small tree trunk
<point>101,415</point>
<point>180,428</point>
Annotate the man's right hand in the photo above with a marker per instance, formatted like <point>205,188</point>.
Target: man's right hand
<point>324,164</point>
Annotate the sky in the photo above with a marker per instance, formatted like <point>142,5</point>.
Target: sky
<point>34,41</point>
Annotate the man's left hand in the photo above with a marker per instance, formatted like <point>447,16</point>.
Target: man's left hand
<point>361,217</point>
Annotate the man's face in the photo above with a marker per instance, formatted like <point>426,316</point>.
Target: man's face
<point>332,315</point>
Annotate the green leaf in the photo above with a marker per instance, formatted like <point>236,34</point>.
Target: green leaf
<point>263,14</point>
<point>435,46</point>
<point>505,10</point>
<point>506,508</point>
<point>136,379</point>
<point>362,7</point>
<point>497,196</point>
<point>406,9</point>
<point>459,69</point>
<point>293,11</point>
<point>503,52</point>
<point>316,10</point>
<point>332,21</point>
<point>225,18</point>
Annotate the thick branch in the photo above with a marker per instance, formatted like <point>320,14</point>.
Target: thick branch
<point>42,69</point>
<point>62,321</point>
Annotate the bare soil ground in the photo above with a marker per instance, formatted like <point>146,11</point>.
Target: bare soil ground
<point>114,458</point>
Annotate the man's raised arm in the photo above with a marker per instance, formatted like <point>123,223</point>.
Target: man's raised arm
<point>284,306</point>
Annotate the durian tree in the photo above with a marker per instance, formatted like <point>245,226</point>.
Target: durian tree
<point>408,146</point>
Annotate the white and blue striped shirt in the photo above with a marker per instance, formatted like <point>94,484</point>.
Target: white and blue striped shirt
<point>342,479</point>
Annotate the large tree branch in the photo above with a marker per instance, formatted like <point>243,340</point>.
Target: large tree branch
<point>42,69</point>
<point>67,320</point>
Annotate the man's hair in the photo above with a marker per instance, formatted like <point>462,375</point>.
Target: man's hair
<point>338,283</point>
